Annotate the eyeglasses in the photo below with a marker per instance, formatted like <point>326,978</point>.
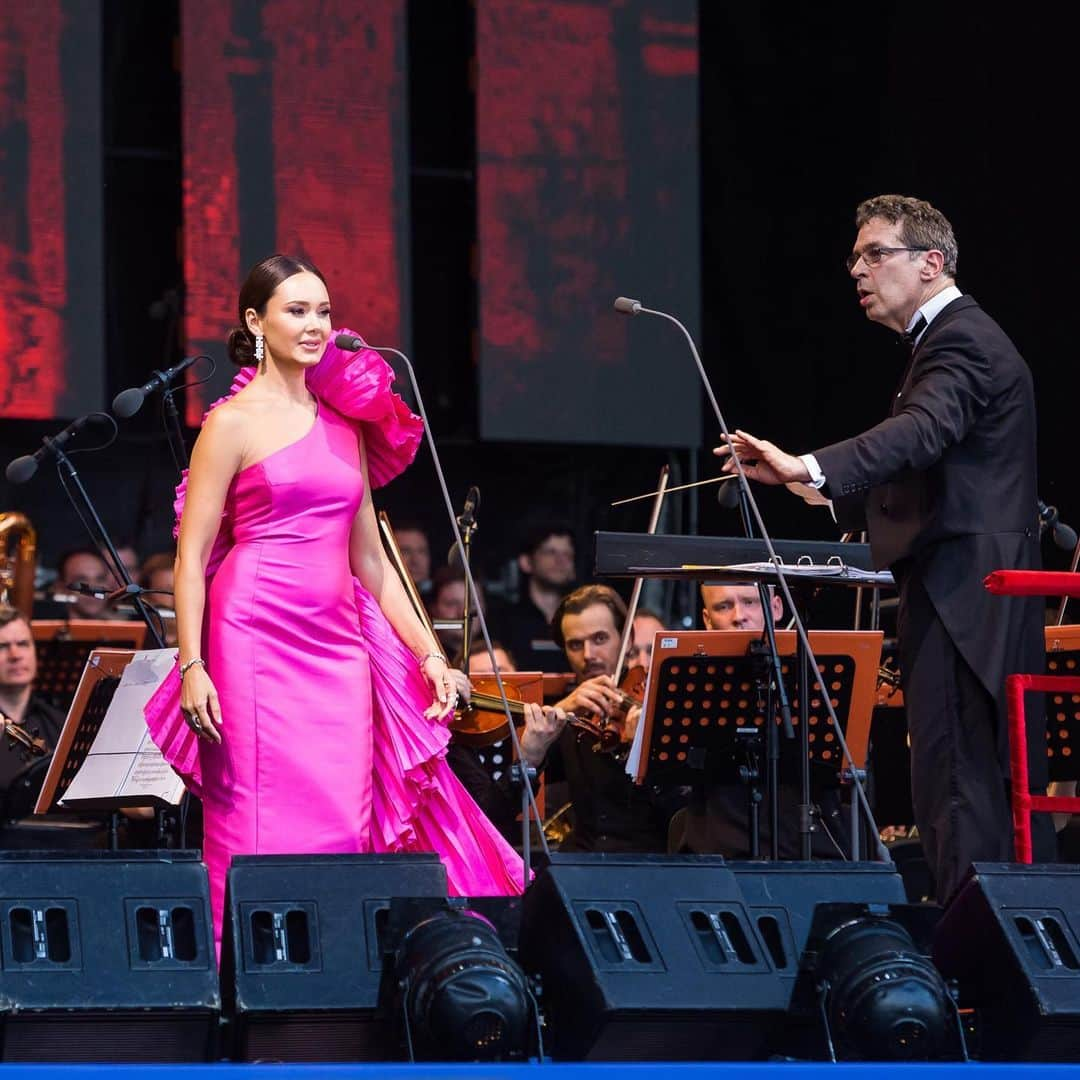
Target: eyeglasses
<point>873,255</point>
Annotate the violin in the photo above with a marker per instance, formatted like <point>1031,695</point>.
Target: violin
<point>32,745</point>
<point>609,731</point>
<point>482,721</point>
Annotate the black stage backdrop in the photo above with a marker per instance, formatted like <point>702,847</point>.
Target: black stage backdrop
<point>803,113</point>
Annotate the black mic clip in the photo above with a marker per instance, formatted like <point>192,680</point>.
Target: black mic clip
<point>1063,536</point>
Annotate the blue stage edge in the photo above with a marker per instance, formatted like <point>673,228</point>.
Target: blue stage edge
<point>712,1070</point>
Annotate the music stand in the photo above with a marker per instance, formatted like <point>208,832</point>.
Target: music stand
<point>63,648</point>
<point>1063,710</point>
<point>124,768</point>
<point>701,703</point>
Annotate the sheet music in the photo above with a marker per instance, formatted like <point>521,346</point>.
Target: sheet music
<point>881,578</point>
<point>123,761</point>
<point>633,759</point>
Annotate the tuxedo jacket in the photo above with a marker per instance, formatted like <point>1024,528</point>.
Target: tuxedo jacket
<point>946,487</point>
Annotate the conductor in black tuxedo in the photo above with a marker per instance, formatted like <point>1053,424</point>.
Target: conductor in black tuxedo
<point>946,487</point>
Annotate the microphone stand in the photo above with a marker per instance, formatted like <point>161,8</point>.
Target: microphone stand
<point>626,306</point>
<point>467,524</point>
<point>528,797</point>
<point>772,740</point>
<point>103,542</point>
<point>174,431</point>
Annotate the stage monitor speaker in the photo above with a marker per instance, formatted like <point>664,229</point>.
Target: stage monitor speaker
<point>780,898</point>
<point>647,958</point>
<point>107,957</point>
<point>1011,939</point>
<point>302,952</point>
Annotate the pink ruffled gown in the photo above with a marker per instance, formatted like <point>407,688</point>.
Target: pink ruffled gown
<point>325,747</point>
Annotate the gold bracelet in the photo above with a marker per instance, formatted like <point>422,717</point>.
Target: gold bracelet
<point>190,664</point>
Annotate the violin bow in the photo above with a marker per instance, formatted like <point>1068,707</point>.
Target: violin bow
<point>631,610</point>
<point>398,562</point>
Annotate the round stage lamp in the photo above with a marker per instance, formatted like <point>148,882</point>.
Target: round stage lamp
<point>464,998</point>
<point>882,999</point>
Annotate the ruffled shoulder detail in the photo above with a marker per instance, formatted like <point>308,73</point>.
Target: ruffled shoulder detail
<point>360,386</point>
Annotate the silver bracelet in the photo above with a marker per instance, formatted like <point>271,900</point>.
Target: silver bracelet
<point>433,656</point>
<point>190,664</point>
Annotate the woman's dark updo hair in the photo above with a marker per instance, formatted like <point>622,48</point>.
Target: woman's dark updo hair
<point>258,287</point>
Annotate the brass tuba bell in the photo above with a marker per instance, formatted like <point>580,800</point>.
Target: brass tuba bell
<point>18,558</point>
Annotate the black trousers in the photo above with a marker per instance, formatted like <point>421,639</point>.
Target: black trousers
<point>959,789</point>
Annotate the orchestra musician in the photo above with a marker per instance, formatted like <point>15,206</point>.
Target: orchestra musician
<point>31,725</point>
<point>946,487</point>
<point>486,771</point>
<point>611,812</point>
<point>717,819</point>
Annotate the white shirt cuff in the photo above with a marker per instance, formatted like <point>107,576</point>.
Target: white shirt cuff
<point>817,477</point>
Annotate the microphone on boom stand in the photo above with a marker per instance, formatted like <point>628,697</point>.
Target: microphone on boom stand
<point>627,306</point>
<point>352,343</point>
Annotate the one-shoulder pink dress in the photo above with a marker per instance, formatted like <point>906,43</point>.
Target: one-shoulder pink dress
<point>325,747</point>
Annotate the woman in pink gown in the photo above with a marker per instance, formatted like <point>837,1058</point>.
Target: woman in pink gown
<point>315,701</point>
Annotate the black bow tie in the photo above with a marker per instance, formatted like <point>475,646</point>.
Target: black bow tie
<point>912,335</point>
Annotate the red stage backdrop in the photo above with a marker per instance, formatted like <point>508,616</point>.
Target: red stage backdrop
<point>587,148</point>
<point>51,269</point>
<point>294,141</point>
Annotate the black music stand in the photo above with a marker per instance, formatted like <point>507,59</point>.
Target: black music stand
<point>100,680</point>
<point>64,647</point>
<point>1063,710</point>
<point>706,709</point>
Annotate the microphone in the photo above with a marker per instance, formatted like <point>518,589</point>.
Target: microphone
<point>626,306</point>
<point>350,343</point>
<point>1064,536</point>
<point>129,402</point>
<point>468,512</point>
<point>112,595</point>
<point>22,468</point>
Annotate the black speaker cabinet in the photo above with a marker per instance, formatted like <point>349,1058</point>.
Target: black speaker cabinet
<point>1011,940</point>
<point>647,958</point>
<point>302,952</point>
<point>107,956</point>
<point>781,897</point>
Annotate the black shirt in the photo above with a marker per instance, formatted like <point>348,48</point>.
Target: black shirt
<point>40,720</point>
<point>611,812</point>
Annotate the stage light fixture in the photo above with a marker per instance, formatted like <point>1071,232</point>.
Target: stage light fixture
<point>879,994</point>
<point>462,997</point>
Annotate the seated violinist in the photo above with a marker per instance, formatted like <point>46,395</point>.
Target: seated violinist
<point>610,812</point>
<point>31,725</point>
<point>486,770</point>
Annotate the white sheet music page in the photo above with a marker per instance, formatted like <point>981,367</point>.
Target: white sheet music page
<point>123,762</point>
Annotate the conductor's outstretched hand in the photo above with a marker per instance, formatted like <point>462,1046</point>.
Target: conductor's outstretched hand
<point>762,461</point>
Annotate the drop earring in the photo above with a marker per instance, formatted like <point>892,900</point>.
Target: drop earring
<point>260,352</point>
